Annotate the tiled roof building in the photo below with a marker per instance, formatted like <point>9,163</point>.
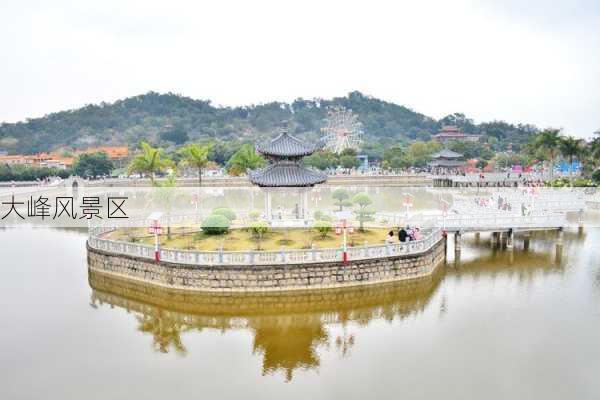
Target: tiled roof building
<point>285,154</point>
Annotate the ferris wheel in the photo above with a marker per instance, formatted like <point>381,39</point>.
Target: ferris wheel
<point>342,130</point>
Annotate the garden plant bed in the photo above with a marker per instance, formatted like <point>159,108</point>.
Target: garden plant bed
<point>192,238</point>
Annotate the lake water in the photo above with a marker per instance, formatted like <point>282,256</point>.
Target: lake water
<point>491,326</point>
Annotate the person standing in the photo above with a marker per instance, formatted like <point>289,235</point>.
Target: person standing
<point>402,234</point>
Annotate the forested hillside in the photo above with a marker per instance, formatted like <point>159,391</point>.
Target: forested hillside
<point>170,119</point>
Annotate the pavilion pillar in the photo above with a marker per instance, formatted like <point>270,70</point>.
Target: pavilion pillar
<point>268,210</point>
<point>305,210</point>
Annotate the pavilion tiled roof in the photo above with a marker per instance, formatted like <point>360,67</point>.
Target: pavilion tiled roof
<point>447,163</point>
<point>448,154</point>
<point>286,145</point>
<point>286,174</point>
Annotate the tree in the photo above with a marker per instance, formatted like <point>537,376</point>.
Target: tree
<point>420,152</point>
<point>594,151</point>
<point>177,135</point>
<point>196,156</point>
<point>349,161</point>
<point>93,165</point>
<point>396,157</point>
<point>342,198</point>
<point>164,194</point>
<point>546,144</point>
<point>570,148</point>
<point>244,159</point>
<point>259,229</point>
<point>481,164</point>
<point>149,162</point>
<point>596,177</point>
<point>322,160</point>
<point>365,212</point>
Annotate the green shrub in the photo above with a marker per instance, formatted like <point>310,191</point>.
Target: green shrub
<point>226,212</point>
<point>258,229</point>
<point>215,224</point>
<point>596,176</point>
<point>323,227</point>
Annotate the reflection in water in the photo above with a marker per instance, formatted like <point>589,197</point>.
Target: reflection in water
<point>290,329</point>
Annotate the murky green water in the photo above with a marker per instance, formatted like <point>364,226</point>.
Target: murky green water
<point>491,326</point>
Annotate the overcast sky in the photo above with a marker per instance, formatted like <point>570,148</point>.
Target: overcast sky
<point>521,61</point>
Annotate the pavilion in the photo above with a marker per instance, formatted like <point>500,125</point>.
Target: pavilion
<point>447,161</point>
<point>285,170</point>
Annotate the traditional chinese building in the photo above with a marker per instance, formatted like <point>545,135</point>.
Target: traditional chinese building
<point>447,161</point>
<point>285,170</point>
<point>450,133</point>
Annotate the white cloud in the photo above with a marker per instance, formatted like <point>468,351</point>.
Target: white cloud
<point>488,61</point>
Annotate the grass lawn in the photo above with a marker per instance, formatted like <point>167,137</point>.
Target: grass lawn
<point>240,239</point>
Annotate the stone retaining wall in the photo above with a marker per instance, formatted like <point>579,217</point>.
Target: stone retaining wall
<point>265,277</point>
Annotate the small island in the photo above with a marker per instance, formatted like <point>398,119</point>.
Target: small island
<point>270,250</point>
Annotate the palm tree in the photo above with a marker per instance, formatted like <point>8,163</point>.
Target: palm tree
<point>548,142</point>
<point>594,151</point>
<point>244,159</point>
<point>164,196</point>
<point>196,156</point>
<point>570,148</point>
<point>166,331</point>
<point>149,162</point>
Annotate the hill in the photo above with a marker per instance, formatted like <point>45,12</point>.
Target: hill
<point>171,118</point>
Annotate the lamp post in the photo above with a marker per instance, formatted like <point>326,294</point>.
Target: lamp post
<point>407,204</point>
<point>155,229</point>
<point>343,216</point>
<point>445,206</point>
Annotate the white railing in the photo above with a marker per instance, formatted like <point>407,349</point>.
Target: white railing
<point>194,257</point>
<point>485,221</point>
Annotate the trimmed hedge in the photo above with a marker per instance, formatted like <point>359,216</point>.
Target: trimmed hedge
<point>215,225</point>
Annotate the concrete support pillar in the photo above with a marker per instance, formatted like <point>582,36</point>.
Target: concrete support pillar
<point>559,237</point>
<point>494,238</point>
<point>580,223</point>
<point>559,245</point>
<point>477,237</point>
<point>509,239</point>
<point>526,240</point>
<point>457,237</point>
<point>502,238</point>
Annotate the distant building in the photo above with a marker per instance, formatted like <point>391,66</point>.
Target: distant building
<point>113,152</point>
<point>58,164</point>
<point>447,161</point>
<point>449,133</point>
<point>18,159</point>
<point>117,154</point>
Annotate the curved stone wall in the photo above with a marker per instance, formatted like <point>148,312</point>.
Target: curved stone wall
<point>268,277</point>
